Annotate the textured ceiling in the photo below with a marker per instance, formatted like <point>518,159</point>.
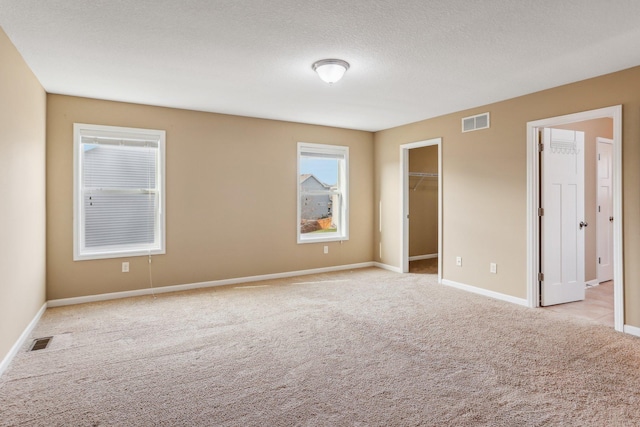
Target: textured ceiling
<point>410,59</point>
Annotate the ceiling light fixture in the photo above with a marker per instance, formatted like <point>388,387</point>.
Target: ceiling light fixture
<point>330,70</point>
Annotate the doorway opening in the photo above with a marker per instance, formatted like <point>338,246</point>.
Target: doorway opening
<point>544,223</point>
<point>421,165</point>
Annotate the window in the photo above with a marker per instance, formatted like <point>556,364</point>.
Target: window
<point>323,202</point>
<point>118,192</point>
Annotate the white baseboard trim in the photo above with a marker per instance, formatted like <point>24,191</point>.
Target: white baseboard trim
<point>224,282</point>
<point>23,337</point>
<point>420,257</point>
<point>632,330</point>
<point>387,267</point>
<point>486,292</point>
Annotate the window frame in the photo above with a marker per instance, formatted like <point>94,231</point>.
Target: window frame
<point>80,252</point>
<point>343,182</point>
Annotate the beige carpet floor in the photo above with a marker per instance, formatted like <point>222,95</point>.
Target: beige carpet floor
<point>356,348</point>
<point>424,266</point>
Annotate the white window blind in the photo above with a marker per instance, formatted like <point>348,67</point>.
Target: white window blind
<point>119,197</point>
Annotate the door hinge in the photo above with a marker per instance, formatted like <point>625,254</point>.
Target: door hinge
<point>540,147</point>
<point>540,277</point>
<point>599,261</point>
<point>598,156</point>
<point>598,208</point>
<point>540,211</point>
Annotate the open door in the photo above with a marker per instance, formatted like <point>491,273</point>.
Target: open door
<point>562,224</point>
<point>604,214</point>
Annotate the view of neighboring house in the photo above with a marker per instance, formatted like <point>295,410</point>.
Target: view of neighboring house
<point>314,206</point>
<point>318,200</point>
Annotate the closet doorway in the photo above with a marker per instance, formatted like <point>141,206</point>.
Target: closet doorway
<point>422,207</point>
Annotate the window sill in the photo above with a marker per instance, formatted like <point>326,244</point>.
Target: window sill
<point>117,254</point>
<point>322,238</point>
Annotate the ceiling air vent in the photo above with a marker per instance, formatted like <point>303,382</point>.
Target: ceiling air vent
<point>481,121</point>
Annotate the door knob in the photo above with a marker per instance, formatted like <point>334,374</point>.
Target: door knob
<point>610,219</point>
<point>583,224</point>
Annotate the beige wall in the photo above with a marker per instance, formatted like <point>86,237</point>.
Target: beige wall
<point>592,129</point>
<point>423,202</point>
<point>484,183</point>
<point>231,198</point>
<point>22,194</point>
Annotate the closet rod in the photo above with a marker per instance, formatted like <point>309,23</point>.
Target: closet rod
<point>423,174</point>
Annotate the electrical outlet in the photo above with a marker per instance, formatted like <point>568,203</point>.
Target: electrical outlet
<point>493,268</point>
<point>326,249</point>
<point>459,261</point>
<point>125,267</point>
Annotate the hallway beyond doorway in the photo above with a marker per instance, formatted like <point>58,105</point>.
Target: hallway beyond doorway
<point>597,306</point>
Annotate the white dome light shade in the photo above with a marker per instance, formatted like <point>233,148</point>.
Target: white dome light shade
<point>330,70</point>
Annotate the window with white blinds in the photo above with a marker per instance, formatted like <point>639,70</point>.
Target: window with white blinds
<point>119,192</point>
<point>323,186</point>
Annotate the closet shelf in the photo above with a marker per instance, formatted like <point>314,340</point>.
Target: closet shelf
<point>422,176</point>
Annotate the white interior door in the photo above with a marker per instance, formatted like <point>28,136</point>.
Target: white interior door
<point>562,225</point>
<point>604,214</point>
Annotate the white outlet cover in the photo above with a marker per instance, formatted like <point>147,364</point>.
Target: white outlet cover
<point>459,261</point>
<point>493,268</point>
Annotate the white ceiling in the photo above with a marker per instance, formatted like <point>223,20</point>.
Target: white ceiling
<point>410,59</point>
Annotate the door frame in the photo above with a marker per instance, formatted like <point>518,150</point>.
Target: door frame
<point>533,203</point>
<point>404,182</point>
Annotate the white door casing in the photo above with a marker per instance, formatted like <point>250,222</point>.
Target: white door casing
<point>534,244</point>
<point>562,225</point>
<point>604,213</point>
<point>404,191</point>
